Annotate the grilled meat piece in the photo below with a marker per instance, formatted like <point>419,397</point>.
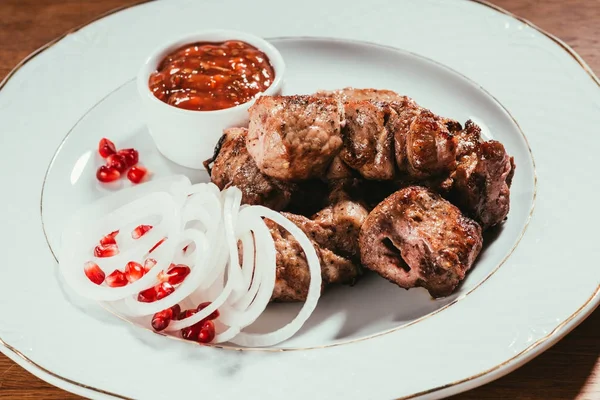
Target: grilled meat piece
<point>381,121</point>
<point>416,238</point>
<point>333,232</point>
<point>481,183</point>
<point>368,140</point>
<point>343,219</point>
<point>294,138</point>
<point>233,166</point>
<point>338,169</point>
<point>429,147</point>
<point>353,94</point>
<point>293,276</point>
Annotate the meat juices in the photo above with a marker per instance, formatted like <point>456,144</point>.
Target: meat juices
<point>233,166</point>
<point>416,238</point>
<point>294,137</point>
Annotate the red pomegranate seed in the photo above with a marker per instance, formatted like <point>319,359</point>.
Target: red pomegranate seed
<point>149,263</point>
<point>148,295</point>
<point>106,251</point>
<point>157,244</point>
<point>207,332</point>
<point>214,315</point>
<point>109,239</point>
<point>137,174</point>
<point>107,174</point>
<point>117,162</point>
<point>163,290</point>
<point>134,271</point>
<point>187,313</point>
<point>155,293</point>
<point>176,311</point>
<point>161,319</point>
<point>140,231</point>
<point>116,279</point>
<point>106,148</point>
<point>177,273</point>
<point>190,332</point>
<point>93,272</point>
<point>130,156</point>
<point>185,249</point>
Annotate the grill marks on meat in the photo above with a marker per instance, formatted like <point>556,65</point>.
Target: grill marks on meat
<point>368,140</point>
<point>416,238</point>
<point>334,233</point>
<point>233,166</point>
<point>382,126</point>
<point>303,152</point>
<point>292,273</point>
<point>294,137</point>
<point>481,180</point>
<point>430,148</point>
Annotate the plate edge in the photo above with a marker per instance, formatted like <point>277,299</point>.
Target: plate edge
<point>555,334</point>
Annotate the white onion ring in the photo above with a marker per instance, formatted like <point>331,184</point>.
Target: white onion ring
<point>207,218</point>
<point>314,289</point>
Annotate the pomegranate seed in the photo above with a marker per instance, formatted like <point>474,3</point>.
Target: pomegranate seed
<point>157,244</point>
<point>134,271</point>
<point>185,249</point>
<point>140,231</point>
<point>130,156</point>
<point>163,290</point>
<point>177,273</point>
<point>109,239</point>
<point>116,279</point>
<point>214,315</point>
<point>147,296</point>
<point>107,174</point>
<point>149,263</point>
<point>106,251</point>
<point>136,174</point>
<point>176,311</point>
<point>161,319</point>
<point>93,272</point>
<point>117,162</point>
<point>106,148</point>
<point>207,332</point>
<point>190,332</point>
<point>187,313</point>
<point>155,293</point>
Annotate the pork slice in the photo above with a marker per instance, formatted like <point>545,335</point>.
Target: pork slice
<point>233,166</point>
<point>368,146</point>
<point>481,183</point>
<point>292,272</point>
<point>294,138</point>
<point>416,238</point>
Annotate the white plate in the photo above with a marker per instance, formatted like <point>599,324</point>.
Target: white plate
<point>543,290</point>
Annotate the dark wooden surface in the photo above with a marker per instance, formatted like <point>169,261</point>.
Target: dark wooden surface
<point>569,370</point>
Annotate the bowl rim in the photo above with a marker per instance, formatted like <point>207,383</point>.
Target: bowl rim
<point>216,36</point>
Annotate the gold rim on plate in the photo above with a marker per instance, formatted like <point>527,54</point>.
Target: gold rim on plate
<point>554,334</point>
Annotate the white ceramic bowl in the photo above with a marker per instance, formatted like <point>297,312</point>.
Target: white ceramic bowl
<point>188,137</point>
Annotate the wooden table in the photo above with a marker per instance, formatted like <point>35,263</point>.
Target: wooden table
<point>570,370</point>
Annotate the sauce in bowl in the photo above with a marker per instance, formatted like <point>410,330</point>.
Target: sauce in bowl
<point>212,76</point>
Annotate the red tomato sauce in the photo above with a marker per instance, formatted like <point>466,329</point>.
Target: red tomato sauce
<point>211,76</point>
